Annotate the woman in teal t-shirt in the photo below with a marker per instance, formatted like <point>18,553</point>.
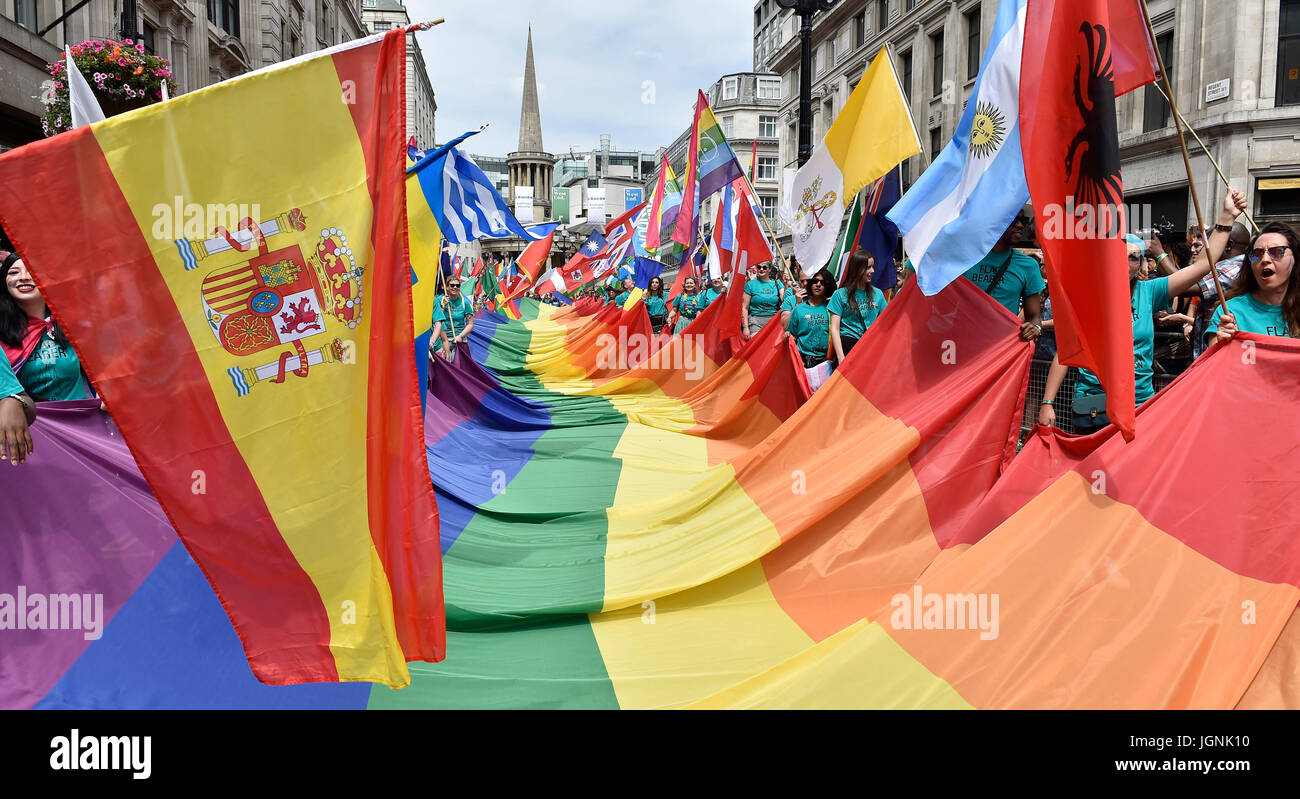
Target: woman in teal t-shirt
<point>1088,405</point>
<point>39,353</point>
<point>1266,297</point>
<point>761,301</point>
<point>855,306</point>
<point>656,304</point>
<point>686,305</point>
<point>810,320</point>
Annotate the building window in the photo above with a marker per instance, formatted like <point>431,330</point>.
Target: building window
<point>225,15</point>
<point>150,37</point>
<point>1155,110</point>
<point>766,127</point>
<point>905,177</point>
<point>769,88</point>
<point>859,30</point>
<point>25,14</point>
<point>907,75</point>
<point>1288,53</point>
<point>936,48</point>
<point>830,51</point>
<point>383,26</point>
<point>728,126</point>
<point>972,44</point>
<point>730,88</point>
<point>882,19</point>
<point>293,45</point>
<point>911,4</point>
<point>936,143</point>
<point>369,3</point>
<point>766,168</point>
<point>768,201</point>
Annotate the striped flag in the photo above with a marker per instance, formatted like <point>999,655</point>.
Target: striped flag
<point>464,201</point>
<point>954,214</point>
<point>263,378</point>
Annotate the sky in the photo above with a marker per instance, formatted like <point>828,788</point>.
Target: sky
<point>624,67</point>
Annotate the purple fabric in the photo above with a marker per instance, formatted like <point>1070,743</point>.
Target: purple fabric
<point>459,390</point>
<point>80,520</point>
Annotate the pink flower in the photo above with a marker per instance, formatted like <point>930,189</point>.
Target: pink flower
<point>140,47</point>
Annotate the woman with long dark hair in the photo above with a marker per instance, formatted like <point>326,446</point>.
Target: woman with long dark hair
<point>686,305</point>
<point>1266,297</point>
<point>39,353</point>
<point>809,321</point>
<point>854,306</point>
<point>656,304</point>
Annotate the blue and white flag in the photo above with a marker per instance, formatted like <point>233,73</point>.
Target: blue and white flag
<point>959,208</point>
<point>463,199</point>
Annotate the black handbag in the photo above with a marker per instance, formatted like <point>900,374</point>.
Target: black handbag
<point>1090,405</point>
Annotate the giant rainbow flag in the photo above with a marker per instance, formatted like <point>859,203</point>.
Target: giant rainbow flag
<point>651,522</point>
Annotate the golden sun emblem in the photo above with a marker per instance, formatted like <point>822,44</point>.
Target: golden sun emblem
<point>987,131</point>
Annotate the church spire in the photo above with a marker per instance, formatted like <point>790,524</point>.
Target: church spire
<point>530,118</point>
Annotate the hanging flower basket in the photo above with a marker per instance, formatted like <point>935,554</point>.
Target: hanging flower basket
<point>122,76</point>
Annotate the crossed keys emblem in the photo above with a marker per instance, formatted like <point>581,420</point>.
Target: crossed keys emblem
<point>811,204</point>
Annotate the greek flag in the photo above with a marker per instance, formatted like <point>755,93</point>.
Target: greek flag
<point>463,200</point>
<point>959,208</point>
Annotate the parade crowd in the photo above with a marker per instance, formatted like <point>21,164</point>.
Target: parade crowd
<point>1171,285</point>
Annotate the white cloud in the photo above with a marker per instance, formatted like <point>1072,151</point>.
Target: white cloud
<point>591,60</point>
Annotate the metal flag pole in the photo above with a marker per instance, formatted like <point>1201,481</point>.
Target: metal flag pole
<point>1187,162</point>
<point>1206,150</point>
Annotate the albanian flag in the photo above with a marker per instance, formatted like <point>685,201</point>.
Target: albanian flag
<point>1078,57</point>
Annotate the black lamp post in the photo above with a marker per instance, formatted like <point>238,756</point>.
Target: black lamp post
<point>805,9</point>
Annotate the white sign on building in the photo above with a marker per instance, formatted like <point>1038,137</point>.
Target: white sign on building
<point>596,205</point>
<point>1217,90</point>
<point>524,204</point>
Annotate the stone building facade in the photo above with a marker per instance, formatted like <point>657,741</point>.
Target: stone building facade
<point>1235,69</point>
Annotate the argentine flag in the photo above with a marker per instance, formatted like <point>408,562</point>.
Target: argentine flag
<point>464,201</point>
<point>959,208</point>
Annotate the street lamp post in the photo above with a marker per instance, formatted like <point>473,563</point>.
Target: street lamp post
<point>805,9</point>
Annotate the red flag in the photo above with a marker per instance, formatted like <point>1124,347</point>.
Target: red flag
<point>1078,56</point>
<point>729,320</point>
<point>478,267</point>
<point>534,257</point>
<point>751,245</point>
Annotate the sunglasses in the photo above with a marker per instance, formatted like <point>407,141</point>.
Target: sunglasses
<point>1274,253</point>
<point>453,285</point>
<point>817,282</point>
<point>764,268</point>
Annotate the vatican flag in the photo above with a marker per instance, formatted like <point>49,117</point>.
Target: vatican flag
<point>872,134</point>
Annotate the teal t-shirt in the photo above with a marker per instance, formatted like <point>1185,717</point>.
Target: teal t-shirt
<point>52,372</point>
<point>656,305</point>
<point>811,327</point>
<point>1021,279</point>
<point>764,296</point>
<point>622,298</point>
<point>1254,316</point>
<point>9,384</point>
<point>788,303</point>
<point>871,301</point>
<point>688,305</point>
<point>1149,296</point>
<point>710,294</point>
<point>459,311</point>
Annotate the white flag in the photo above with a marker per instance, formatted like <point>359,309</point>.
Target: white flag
<point>85,108</point>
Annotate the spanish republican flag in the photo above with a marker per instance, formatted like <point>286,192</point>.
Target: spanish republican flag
<point>232,268</point>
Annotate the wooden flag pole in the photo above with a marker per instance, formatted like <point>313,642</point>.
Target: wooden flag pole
<point>779,253</point>
<point>1206,150</point>
<point>1187,162</point>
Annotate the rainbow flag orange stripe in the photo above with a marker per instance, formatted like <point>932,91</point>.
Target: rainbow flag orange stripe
<point>261,368</point>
